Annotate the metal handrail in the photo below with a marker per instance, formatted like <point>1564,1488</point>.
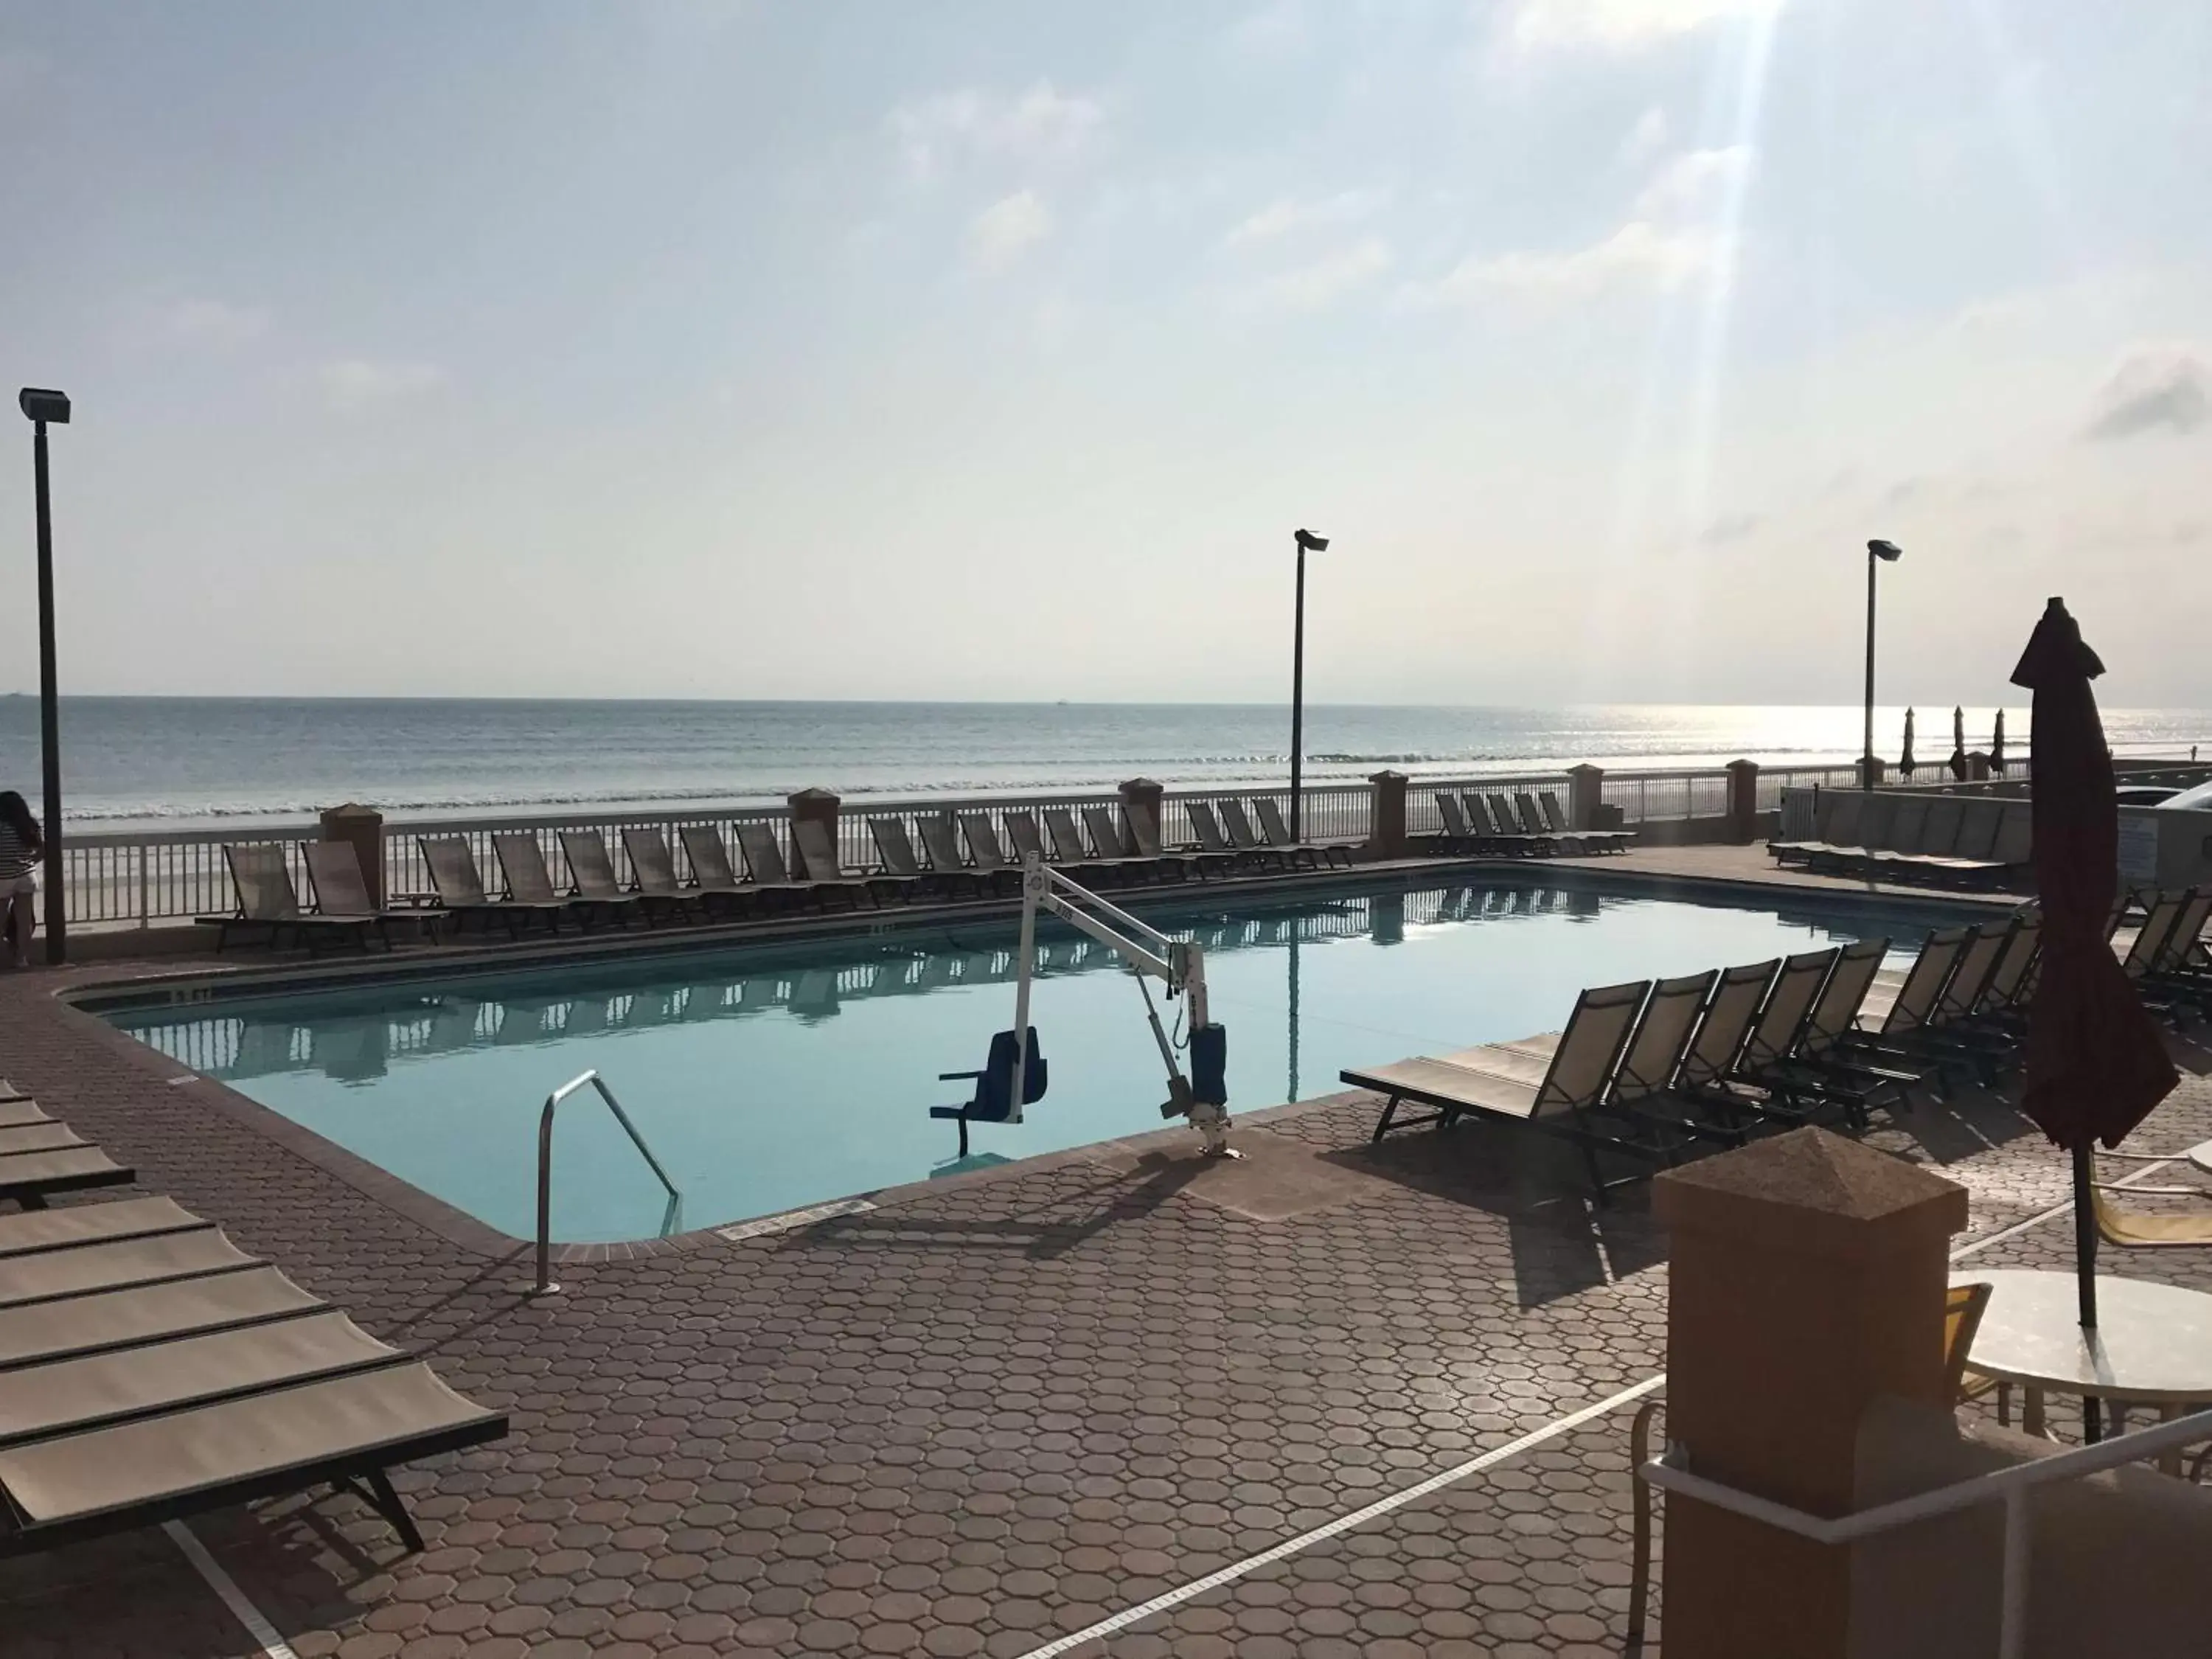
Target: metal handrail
<point>2009,1486</point>
<point>545,1285</point>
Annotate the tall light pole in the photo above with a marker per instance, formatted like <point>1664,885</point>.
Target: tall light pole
<point>1878,553</point>
<point>41,407</point>
<point>1308,542</point>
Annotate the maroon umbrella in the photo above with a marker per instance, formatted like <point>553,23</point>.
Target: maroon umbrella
<point>1959,744</point>
<point>2096,1064</point>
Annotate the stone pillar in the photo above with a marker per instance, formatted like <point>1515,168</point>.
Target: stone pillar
<point>1806,1275</point>
<point>1585,794</point>
<point>361,828</point>
<point>1742,801</point>
<point>820,805</point>
<point>1977,767</point>
<point>1142,793</point>
<point>1386,839</point>
<point>1880,769</point>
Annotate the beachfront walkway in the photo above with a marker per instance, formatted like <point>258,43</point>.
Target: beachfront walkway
<point>990,1414</point>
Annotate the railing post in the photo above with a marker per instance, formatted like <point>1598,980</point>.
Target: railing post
<point>1808,1275</point>
<point>145,915</point>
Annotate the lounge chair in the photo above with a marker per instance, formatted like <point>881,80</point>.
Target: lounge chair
<point>1533,824</point>
<point>1278,837</point>
<point>1601,841</point>
<point>1645,1085</point>
<point>591,873</point>
<point>460,890</point>
<point>1893,1038</point>
<point>654,866</point>
<point>764,862</point>
<point>1835,829</point>
<point>1108,847</point>
<point>940,844</point>
<point>335,870</point>
<point>1489,816</point>
<point>1459,835</point>
<point>32,1176</point>
<point>1207,828</point>
<point>895,849</point>
<point>149,1370</point>
<point>712,875</point>
<point>1145,831</point>
<point>267,898</point>
<point>1751,1088</point>
<point>990,858</point>
<point>1818,1064</point>
<point>522,868</point>
<point>817,852</point>
<point>1565,1096</point>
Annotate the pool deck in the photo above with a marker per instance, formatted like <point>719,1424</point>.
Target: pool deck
<point>989,1414</point>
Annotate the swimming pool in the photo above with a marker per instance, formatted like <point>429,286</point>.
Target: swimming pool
<point>772,1077</point>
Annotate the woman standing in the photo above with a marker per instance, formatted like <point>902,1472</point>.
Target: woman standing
<point>21,846</point>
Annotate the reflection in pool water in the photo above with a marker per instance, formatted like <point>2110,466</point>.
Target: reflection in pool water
<point>771,1077</point>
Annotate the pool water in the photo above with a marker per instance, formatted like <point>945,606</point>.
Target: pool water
<point>770,1078</point>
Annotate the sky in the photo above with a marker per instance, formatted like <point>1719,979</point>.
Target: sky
<point>723,348</point>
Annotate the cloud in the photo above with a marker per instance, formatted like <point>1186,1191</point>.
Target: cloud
<point>1619,24</point>
<point>1327,279</point>
<point>1287,215</point>
<point>215,322</point>
<point>1671,234</point>
<point>1646,139</point>
<point>1039,124</point>
<point>1275,29</point>
<point>355,383</point>
<point>1002,232</point>
<point>2157,388</point>
<point>1731,527</point>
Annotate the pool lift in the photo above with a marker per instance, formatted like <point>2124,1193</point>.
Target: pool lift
<point>1202,1098</point>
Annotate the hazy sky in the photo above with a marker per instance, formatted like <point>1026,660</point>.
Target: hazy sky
<point>995,350</point>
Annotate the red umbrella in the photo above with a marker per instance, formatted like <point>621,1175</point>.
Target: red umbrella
<point>2096,1064</point>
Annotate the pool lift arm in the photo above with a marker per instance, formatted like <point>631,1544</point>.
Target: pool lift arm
<point>1180,963</point>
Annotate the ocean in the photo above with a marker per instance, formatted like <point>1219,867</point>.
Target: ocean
<point>183,762</point>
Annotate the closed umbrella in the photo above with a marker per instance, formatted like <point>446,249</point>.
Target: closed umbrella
<point>1904,760</point>
<point>2096,1064</point>
<point>1997,745</point>
<point>1958,743</point>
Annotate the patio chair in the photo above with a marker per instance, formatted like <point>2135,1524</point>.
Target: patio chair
<point>267,898</point>
<point>1835,825</point>
<point>1459,835</point>
<point>817,852</point>
<point>1818,1063</point>
<point>940,844</point>
<point>654,866</point>
<point>1493,1081</point>
<point>1963,1307</point>
<point>591,873</point>
<point>334,871</point>
<point>460,890</point>
<point>32,1176</point>
<point>764,864</point>
<point>1278,836</point>
<point>895,849</point>
<point>2134,1229</point>
<point>1914,1006</point>
<point>1108,847</point>
<point>1244,840</point>
<point>1145,831</point>
<point>1751,1086</point>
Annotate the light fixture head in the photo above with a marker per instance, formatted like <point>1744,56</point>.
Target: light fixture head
<point>1888,552</point>
<point>38,404</point>
<point>1310,542</point>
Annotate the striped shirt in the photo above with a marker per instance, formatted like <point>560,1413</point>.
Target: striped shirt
<point>17,858</point>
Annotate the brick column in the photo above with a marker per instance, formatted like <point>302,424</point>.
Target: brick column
<point>1585,794</point>
<point>821,805</point>
<point>1742,800</point>
<point>1880,768</point>
<point>361,828</point>
<point>1806,1276</point>
<point>1977,767</point>
<point>1386,837</point>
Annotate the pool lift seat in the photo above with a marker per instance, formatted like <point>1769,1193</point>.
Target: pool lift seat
<point>1179,965</point>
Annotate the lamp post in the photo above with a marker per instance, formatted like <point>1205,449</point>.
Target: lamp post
<point>40,407</point>
<point>1308,542</point>
<point>1878,553</point>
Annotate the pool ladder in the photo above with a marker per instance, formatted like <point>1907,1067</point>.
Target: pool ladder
<point>545,1286</point>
